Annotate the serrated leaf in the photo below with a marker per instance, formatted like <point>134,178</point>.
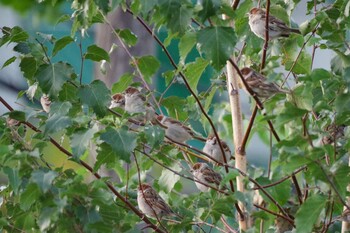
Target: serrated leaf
<point>105,155</point>
<point>177,15</point>
<point>26,222</point>
<point>97,96</point>
<point>209,98</point>
<point>186,43</point>
<point>122,141</point>
<point>13,177</point>
<point>308,213</point>
<point>22,48</point>
<point>168,178</point>
<point>61,43</point>
<point>29,196</point>
<point>217,43</point>
<point>44,179</point>
<point>15,34</point>
<point>128,37</point>
<point>52,77</point>
<point>63,18</point>
<point>9,61</point>
<point>57,123</point>
<point>28,67</point>
<point>194,71</point>
<point>80,140</point>
<point>341,179</point>
<point>154,135</point>
<point>320,74</point>
<point>96,53</point>
<point>148,66</point>
<point>124,81</point>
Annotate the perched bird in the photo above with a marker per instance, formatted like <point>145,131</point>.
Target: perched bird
<point>118,101</point>
<point>135,102</point>
<point>203,173</point>
<point>277,28</point>
<point>45,103</point>
<point>151,204</point>
<point>175,129</point>
<point>260,85</point>
<point>334,132</point>
<point>213,149</point>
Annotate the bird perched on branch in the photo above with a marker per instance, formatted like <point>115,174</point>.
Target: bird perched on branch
<point>135,102</point>
<point>260,85</point>
<point>213,149</point>
<point>203,173</point>
<point>118,101</point>
<point>151,204</point>
<point>45,103</point>
<point>176,130</point>
<point>277,28</point>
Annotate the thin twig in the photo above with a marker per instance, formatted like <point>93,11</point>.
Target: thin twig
<point>82,59</point>
<point>266,44</point>
<point>43,48</point>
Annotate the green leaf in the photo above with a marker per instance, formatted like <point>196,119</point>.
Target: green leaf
<point>341,101</point>
<point>128,37</point>
<point>217,43</point>
<point>22,48</point>
<point>61,43</point>
<point>9,61</point>
<point>13,177</point>
<point>122,141</point>
<point>18,115</point>
<point>154,135</point>
<point>96,53</point>
<point>97,96</point>
<point>103,5</point>
<point>124,81</point>
<point>309,212</point>
<point>168,178</point>
<point>209,8</point>
<point>26,221</point>
<point>301,96</point>
<point>44,179</point>
<point>52,77</point>
<point>176,15</point>
<point>341,179</point>
<point>320,74</point>
<point>15,34</point>
<point>29,196</point>
<point>193,72</point>
<point>148,66</point>
<point>186,43</point>
<point>105,155</point>
<point>28,67</point>
<point>58,117</point>
<point>80,140</point>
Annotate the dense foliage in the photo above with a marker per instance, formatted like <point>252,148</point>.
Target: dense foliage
<point>309,170</point>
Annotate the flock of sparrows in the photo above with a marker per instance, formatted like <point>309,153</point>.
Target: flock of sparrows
<point>133,101</point>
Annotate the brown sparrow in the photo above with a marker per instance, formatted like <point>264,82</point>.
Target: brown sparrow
<point>118,101</point>
<point>334,132</point>
<point>213,149</point>
<point>203,173</point>
<point>151,204</point>
<point>135,102</point>
<point>175,130</point>
<point>260,85</point>
<point>45,103</point>
<point>277,28</point>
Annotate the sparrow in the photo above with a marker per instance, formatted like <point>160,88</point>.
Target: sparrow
<point>118,101</point>
<point>260,85</point>
<point>203,173</point>
<point>45,103</point>
<point>277,28</point>
<point>135,102</point>
<point>151,204</point>
<point>334,132</point>
<point>175,130</point>
<point>213,149</point>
